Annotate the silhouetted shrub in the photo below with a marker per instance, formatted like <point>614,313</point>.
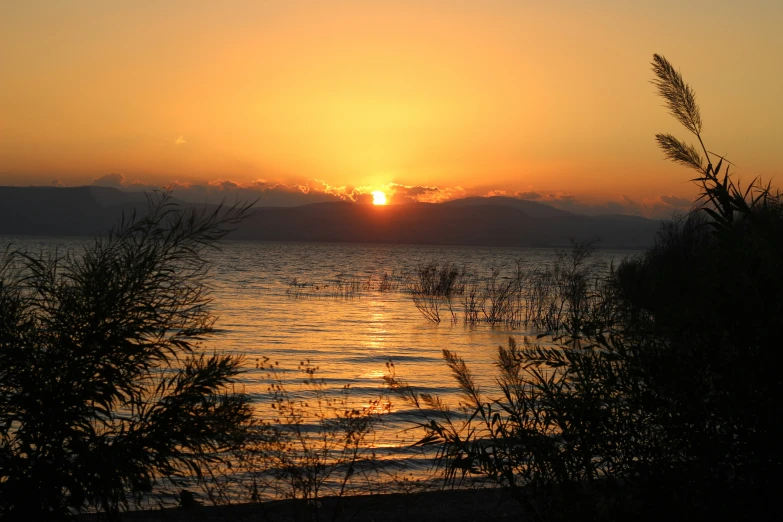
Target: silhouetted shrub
<point>566,418</point>
<point>663,401</point>
<point>712,289</point>
<point>314,442</point>
<point>104,388</point>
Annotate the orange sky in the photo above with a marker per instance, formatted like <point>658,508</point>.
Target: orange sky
<point>467,96</point>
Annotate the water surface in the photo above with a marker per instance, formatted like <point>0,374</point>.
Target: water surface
<point>287,302</point>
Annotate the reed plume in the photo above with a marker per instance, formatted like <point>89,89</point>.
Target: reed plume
<point>679,96</point>
<point>681,102</point>
<point>680,152</point>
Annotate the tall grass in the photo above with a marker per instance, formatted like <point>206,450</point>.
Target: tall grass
<point>547,423</point>
<point>500,297</point>
<point>344,287</point>
<point>538,298</point>
<point>311,442</point>
<point>657,398</point>
<point>433,287</point>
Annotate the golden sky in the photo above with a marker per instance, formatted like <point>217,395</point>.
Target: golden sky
<point>550,99</point>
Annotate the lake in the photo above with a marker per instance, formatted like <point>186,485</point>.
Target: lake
<point>328,303</point>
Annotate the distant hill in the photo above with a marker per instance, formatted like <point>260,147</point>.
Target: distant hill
<point>442,224</point>
<point>531,208</point>
<point>65,211</point>
<point>50,211</point>
<point>498,221</point>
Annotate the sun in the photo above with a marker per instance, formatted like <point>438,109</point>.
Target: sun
<point>378,198</point>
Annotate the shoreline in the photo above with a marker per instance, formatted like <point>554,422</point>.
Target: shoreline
<point>453,505</point>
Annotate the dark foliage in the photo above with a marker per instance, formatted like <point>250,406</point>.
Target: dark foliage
<point>712,290</point>
<point>104,388</point>
<point>664,402</point>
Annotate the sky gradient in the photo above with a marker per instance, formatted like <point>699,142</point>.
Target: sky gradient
<point>425,100</point>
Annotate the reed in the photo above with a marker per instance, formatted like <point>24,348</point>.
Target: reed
<point>389,282</point>
<point>314,442</point>
<point>540,299</point>
<point>345,287</point>
<point>650,399</point>
<point>501,298</point>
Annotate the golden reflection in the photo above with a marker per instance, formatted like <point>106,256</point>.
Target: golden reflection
<point>376,374</point>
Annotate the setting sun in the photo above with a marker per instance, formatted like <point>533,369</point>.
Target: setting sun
<point>378,198</point>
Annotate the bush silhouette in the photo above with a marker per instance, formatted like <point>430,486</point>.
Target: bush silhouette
<point>711,290</point>
<point>662,401</point>
<point>104,388</point>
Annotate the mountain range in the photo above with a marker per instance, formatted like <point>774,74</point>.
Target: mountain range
<point>490,221</point>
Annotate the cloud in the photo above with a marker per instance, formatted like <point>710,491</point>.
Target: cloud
<point>675,201</point>
<point>529,195</point>
<point>224,185</point>
<point>260,191</point>
<point>362,198</point>
<point>424,194</point>
<point>655,207</point>
<point>113,180</point>
<point>317,185</point>
<point>314,190</point>
<point>493,193</point>
<point>571,203</point>
<point>666,204</point>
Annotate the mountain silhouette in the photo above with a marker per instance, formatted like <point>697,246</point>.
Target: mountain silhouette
<point>532,208</point>
<point>494,221</point>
